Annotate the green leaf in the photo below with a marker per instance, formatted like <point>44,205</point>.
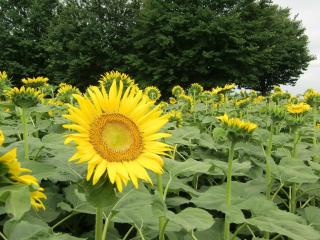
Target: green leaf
<point>295,171</point>
<point>192,218</point>
<point>17,200</point>
<point>188,166</point>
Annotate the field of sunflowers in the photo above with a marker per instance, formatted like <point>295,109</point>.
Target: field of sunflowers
<point>114,162</point>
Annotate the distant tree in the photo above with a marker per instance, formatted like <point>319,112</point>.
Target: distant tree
<point>88,38</point>
<point>23,26</point>
<point>252,43</point>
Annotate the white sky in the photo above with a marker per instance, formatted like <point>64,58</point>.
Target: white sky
<point>309,12</point>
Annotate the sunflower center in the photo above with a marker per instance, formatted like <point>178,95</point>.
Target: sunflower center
<point>116,138</point>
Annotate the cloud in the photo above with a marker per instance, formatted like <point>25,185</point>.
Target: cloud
<point>308,13</point>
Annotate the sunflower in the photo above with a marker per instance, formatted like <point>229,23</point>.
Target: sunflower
<point>4,84</point>
<point>107,79</point>
<point>153,93</point>
<point>312,97</point>
<point>299,108</point>
<point>237,124</point>
<point>187,102</point>
<point>195,89</point>
<point>177,91</point>
<point>3,76</point>
<point>242,102</point>
<point>225,89</point>
<point>25,97</point>
<point>163,105</point>
<point>206,96</point>
<point>65,92</point>
<point>17,175</point>
<point>35,82</point>
<point>172,100</point>
<point>176,116</point>
<point>1,138</point>
<point>118,135</point>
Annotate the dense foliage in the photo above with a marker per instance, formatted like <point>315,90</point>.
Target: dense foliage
<point>240,161</point>
<point>255,44</point>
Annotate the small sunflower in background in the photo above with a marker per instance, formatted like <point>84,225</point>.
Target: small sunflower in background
<point>177,91</point>
<point>187,102</point>
<point>25,97</point>
<point>65,92</point>
<point>56,104</point>
<point>5,84</point>
<point>153,93</point>
<point>107,79</point>
<point>206,96</point>
<point>297,113</point>
<point>1,138</point>
<point>176,116</point>
<point>298,108</point>
<point>17,175</point>
<point>195,90</point>
<point>35,82</point>
<point>118,135</point>
<point>172,100</point>
<point>258,99</point>
<point>312,97</point>
<point>163,105</point>
<point>237,128</point>
<point>242,103</point>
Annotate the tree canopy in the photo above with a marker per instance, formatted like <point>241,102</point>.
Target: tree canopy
<point>255,44</point>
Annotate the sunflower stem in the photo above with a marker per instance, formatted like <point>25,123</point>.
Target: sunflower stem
<point>268,171</point>
<point>294,190</point>
<point>314,139</point>
<point>106,226</point>
<point>3,236</point>
<point>228,191</point>
<point>24,120</point>
<point>162,219</point>
<point>99,224</point>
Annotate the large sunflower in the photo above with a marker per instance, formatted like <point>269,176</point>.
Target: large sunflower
<point>17,175</point>
<point>118,134</point>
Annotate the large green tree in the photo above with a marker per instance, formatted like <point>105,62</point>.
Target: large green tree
<point>23,26</point>
<point>88,38</point>
<point>252,43</point>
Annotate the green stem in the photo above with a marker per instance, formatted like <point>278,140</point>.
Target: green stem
<point>24,120</point>
<point>140,232</point>
<point>229,190</point>
<point>294,190</point>
<point>293,198</point>
<point>64,219</point>
<point>234,237</point>
<point>106,226</point>
<point>162,219</point>
<point>193,236</point>
<point>268,164</point>
<point>99,224</point>
<point>268,171</point>
<point>128,233</point>
<point>314,139</point>
<point>3,236</point>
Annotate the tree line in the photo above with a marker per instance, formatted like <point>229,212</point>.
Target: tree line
<point>253,43</point>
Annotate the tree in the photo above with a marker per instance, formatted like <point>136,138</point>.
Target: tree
<point>23,25</point>
<point>88,38</point>
<point>252,43</point>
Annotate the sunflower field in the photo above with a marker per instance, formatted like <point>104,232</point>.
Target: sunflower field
<point>115,162</point>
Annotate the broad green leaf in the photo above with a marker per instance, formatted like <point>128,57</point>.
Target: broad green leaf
<point>17,200</point>
<point>295,171</point>
<point>192,218</point>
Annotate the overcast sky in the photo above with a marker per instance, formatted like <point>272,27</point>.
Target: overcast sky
<point>309,13</point>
